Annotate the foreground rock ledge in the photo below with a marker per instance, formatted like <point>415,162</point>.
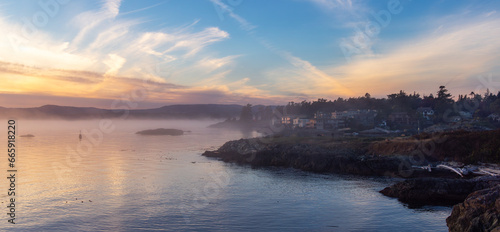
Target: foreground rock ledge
<point>437,191</point>
<point>479,212</point>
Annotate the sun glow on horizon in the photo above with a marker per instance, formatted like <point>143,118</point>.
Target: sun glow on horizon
<point>183,54</point>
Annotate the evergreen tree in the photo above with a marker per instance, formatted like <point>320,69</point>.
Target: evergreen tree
<point>443,95</point>
<point>246,113</point>
<point>444,105</point>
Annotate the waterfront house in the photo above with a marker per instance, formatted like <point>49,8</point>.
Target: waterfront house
<point>300,122</point>
<point>426,112</point>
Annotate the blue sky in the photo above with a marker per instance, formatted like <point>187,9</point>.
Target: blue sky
<point>243,51</point>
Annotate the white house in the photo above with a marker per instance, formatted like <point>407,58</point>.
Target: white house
<point>494,117</point>
<point>426,112</point>
<point>465,114</point>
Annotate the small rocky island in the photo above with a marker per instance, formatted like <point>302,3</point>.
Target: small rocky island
<point>161,131</point>
<point>27,136</point>
<point>451,168</point>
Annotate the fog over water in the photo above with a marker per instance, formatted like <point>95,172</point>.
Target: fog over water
<point>117,180</point>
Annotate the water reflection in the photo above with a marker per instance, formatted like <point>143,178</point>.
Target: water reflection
<point>132,182</point>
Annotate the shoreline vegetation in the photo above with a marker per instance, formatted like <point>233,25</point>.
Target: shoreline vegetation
<point>446,168</point>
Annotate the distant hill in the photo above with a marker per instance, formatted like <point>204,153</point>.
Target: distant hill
<point>167,112</point>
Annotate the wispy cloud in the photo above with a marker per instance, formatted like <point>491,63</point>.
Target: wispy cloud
<point>245,25</point>
<point>119,57</point>
<point>286,80</point>
<point>103,55</point>
<point>331,4</point>
<point>491,13</point>
<point>303,78</point>
<point>110,45</point>
<point>27,81</point>
<point>452,56</point>
<point>89,20</point>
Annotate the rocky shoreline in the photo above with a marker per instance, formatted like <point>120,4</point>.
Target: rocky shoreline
<point>421,187</point>
<point>438,191</point>
<point>340,158</point>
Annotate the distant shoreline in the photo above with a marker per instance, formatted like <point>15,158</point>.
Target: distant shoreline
<point>199,111</point>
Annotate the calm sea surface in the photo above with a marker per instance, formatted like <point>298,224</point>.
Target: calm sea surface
<point>121,181</point>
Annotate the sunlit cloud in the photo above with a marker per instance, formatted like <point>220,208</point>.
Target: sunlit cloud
<point>450,56</point>
<point>302,78</point>
<point>27,80</point>
<point>112,48</point>
<point>301,73</point>
<point>100,54</point>
<point>212,64</point>
<point>89,20</point>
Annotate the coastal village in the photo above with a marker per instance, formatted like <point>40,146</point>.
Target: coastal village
<point>446,150</point>
<point>400,114</point>
<point>397,123</point>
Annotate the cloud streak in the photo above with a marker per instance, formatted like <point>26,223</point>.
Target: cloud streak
<point>104,55</point>
<point>106,44</point>
<point>26,80</point>
<point>302,73</point>
<point>452,56</point>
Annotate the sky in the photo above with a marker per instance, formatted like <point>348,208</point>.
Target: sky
<point>145,54</point>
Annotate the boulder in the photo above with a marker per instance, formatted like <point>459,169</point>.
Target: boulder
<point>479,212</point>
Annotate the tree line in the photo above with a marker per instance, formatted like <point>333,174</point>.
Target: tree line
<point>443,104</point>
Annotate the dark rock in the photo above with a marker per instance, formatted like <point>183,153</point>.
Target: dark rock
<point>479,212</point>
<point>437,191</point>
<point>306,157</point>
<point>340,158</point>
<point>161,131</point>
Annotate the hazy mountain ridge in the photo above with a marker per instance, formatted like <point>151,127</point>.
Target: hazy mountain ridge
<point>166,112</point>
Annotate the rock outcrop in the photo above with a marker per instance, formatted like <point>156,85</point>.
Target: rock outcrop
<point>479,212</point>
<point>344,158</point>
<point>437,191</point>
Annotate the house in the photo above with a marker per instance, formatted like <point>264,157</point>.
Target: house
<point>427,112</point>
<point>300,122</point>
<point>494,117</point>
<point>311,123</point>
<point>337,123</point>
<point>322,124</point>
<point>321,115</point>
<point>383,124</point>
<point>466,115</point>
<point>344,114</point>
<point>453,119</point>
<point>287,120</point>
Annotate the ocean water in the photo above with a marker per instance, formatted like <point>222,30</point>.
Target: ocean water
<point>115,180</point>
